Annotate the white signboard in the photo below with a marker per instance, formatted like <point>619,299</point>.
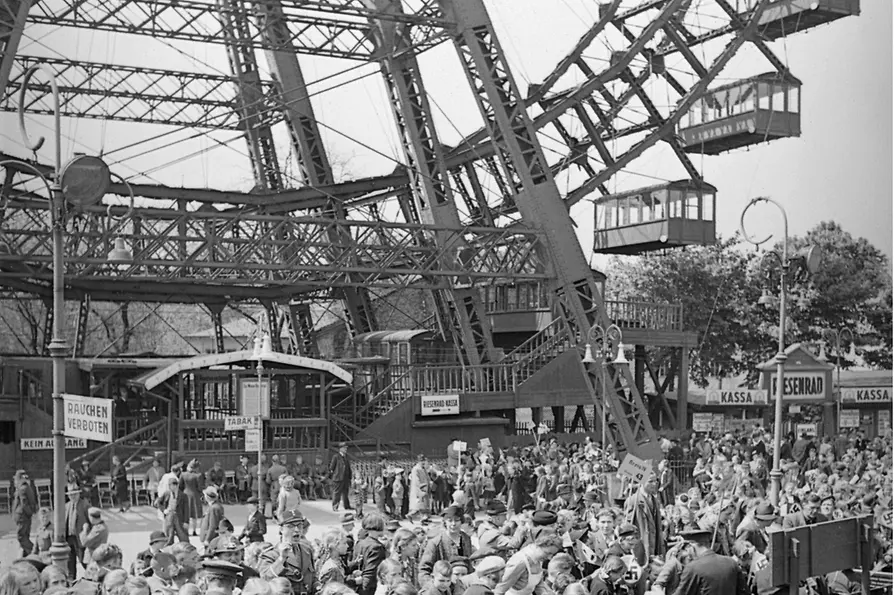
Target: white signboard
<point>240,422</point>
<point>809,429</point>
<point>866,395</point>
<point>800,386</point>
<point>634,468</point>
<point>702,422</point>
<point>252,440</point>
<point>459,446</point>
<point>849,418</point>
<point>248,391</point>
<point>792,409</point>
<point>736,397</point>
<point>47,443</point>
<point>88,417</point>
<point>884,422</point>
<point>439,404</point>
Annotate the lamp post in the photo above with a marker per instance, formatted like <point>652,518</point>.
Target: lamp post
<point>262,349</point>
<point>599,341</point>
<point>837,334</point>
<point>83,181</point>
<point>810,261</point>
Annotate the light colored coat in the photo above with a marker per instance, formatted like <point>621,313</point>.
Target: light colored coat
<point>420,489</point>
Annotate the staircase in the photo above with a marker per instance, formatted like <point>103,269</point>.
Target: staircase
<point>139,446</point>
<point>543,347</point>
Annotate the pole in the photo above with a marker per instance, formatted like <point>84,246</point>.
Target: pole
<point>261,504</point>
<point>58,348</point>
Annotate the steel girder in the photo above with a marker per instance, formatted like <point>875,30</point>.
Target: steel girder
<point>219,254</point>
<point>334,28</point>
<point>131,94</point>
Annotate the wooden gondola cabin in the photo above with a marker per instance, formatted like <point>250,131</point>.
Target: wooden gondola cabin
<point>751,111</point>
<point>785,17</point>
<point>669,215</point>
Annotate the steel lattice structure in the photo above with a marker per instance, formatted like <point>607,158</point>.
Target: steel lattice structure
<point>488,209</point>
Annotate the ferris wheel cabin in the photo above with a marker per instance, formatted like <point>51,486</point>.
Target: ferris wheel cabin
<point>659,217</point>
<point>791,16</point>
<point>751,111</point>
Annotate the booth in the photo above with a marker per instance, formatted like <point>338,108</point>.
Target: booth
<point>807,386</point>
<point>865,401</point>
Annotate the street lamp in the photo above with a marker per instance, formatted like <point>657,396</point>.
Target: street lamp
<point>837,335</point>
<point>600,339</point>
<point>810,260</point>
<point>262,349</point>
<point>82,181</point>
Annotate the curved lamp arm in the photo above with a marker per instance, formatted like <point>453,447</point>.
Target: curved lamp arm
<point>753,202</point>
<point>43,178</point>
<point>36,145</point>
<point>117,220</point>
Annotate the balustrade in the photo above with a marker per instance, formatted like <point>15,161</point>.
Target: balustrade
<point>648,315</point>
<point>279,434</point>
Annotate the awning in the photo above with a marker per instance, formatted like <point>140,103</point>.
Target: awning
<point>150,380</point>
<point>389,336</point>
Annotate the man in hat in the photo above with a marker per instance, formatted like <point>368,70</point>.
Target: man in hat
<point>753,527</point>
<point>230,551</point>
<point>446,544</point>
<point>224,535</point>
<point>212,517</point>
<point>157,540</point>
<point>420,486</point>
<point>164,569</point>
<point>493,532</point>
<point>87,481</point>
<point>216,476</point>
<point>708,573</point>
<point>320,477</point>
<point>340,475</point>
<point>293,557</point>
<point>243,479</point>
<point>174,507</point>
<point>629,547</point>
<point>24,505</point>
<point>75,519</point>
<point>346,519</point>
<point>255,525</point>
<point>487,574</point>
<point>303,482</point>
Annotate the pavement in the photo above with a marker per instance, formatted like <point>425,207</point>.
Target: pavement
<point>130,530</point>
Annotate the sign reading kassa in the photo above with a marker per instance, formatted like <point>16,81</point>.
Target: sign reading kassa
<point>867,395</point>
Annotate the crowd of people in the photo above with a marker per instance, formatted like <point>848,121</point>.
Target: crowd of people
<point>547,519</point>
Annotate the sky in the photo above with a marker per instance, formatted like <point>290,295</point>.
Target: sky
<point>839,169</point>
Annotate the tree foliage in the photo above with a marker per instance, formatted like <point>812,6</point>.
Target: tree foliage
<point>720,287</point>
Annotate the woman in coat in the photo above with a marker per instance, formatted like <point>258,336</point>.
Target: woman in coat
<point>420,487</point>
<point>213,516</point>
<point>119,480</point>
<point>189,483</point>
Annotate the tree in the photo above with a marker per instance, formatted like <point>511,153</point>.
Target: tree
<point>720,288</point>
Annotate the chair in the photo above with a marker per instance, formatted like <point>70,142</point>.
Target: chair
<point>6,494</point>
<point>104,490</point>
<point>138,490</point>
<point>229,491</point>
<point>44,489</point>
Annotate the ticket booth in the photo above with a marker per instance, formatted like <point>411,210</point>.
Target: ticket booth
<point>865,400</point>
<point>807,380</point>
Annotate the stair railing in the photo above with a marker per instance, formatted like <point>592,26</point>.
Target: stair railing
<point>535,341</point>
<point>146,432</point>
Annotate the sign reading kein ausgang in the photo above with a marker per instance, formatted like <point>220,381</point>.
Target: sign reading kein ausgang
<point>88,417</point>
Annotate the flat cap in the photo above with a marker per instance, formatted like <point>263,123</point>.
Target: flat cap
<point>495,507</point>
<point>346,517</point>
<point>544,517</point>
<point>627,529</point>
<point>157,536</point>
<point>252,500</point>
<point>490,565</point>
<point>225,546</point>
<point>460,561</point>
<point>697,535</point>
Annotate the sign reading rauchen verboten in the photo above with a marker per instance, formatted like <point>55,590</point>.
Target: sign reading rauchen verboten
<point>88,417</point>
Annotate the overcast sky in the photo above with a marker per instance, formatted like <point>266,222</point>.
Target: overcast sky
<point>839,169</point>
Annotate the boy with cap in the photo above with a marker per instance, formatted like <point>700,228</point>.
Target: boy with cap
<point>486,576</point>
<point>255,525</point>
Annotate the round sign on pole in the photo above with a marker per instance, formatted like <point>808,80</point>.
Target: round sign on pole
<point>85,180</point>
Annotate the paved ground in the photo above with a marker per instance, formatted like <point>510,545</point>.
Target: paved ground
<point>130,530</point>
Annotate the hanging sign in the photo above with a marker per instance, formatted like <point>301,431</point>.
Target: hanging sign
<point>439,404</point>
<point>254,401</point>
<point>849,418</point>
<point>736,397</point>
<point>47,443</point>
<point>866,395</point>
<point>240,422</point>
<point>252,440</point>
<point>803,386</point>
<point>88,417</point>
<point>809,429</point>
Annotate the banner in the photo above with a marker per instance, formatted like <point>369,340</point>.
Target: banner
<point>88,417</point>
<point>47,443</point>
